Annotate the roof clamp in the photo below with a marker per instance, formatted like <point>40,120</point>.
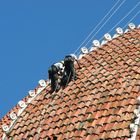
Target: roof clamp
<point>13,116</point>
<point>32,93</point>
<point>137,113</point>
<point>96,44</point>
<point>22,104</point>
<point>107,37</point>
<point>138,101</point>
<point>134,126</point>
<point>84,51</point>
<point>119,31</point>
<point>42,83</point>
<point>5,128</point>
<point>131,26</point>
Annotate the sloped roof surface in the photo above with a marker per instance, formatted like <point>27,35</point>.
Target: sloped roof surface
<point>99,105</point>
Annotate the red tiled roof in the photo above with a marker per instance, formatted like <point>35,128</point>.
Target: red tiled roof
<point>99,105</point>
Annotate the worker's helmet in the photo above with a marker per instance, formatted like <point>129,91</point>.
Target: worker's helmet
<point>62,62</point>
<point>58,65</point>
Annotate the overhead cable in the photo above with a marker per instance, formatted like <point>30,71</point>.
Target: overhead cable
<point>97,26</point>
<point>105,22</point>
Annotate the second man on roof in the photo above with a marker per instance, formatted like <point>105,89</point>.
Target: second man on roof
<point>61,73</point>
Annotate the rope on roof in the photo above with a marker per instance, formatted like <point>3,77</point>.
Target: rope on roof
<point>97,26</point>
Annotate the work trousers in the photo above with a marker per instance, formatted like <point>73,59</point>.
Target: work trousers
<point>54,83</point>
<point>70,71</point>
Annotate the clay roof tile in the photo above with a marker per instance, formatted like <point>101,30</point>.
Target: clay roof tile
<point>99,105</point>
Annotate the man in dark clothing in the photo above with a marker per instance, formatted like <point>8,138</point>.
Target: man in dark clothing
<point>69,70</point>
<point>53,77</point>
<point>54,74</point>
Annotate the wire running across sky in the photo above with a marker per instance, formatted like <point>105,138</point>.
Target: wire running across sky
<point>97,25</point>
<point>128,14</point>
<point>133,17</point>
<point>105,22</point>
<point>112,9</point>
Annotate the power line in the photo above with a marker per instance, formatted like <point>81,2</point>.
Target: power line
<point>97,26</point>
<point>123,19</point>
<point>126,15</point>
<point>105,22</point>
<point>132,18</point>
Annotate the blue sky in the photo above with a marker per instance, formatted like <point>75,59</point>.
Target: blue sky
<point>34,34</point>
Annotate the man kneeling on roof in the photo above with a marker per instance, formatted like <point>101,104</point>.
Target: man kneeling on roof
<point>54,74</point>
<point>69,69</point>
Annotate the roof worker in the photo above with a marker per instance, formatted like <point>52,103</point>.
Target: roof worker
<point>69,70</point>
<point>54,74</point>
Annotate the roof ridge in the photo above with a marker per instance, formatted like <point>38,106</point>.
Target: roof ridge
<point>107,37</point>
